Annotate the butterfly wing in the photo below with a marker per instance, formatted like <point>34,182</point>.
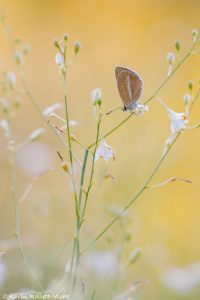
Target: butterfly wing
<point>130,86</point>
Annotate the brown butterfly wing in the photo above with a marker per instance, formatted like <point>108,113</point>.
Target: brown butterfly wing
<point>129,85</point>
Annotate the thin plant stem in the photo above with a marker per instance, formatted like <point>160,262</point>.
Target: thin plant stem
<point>79,201</point>
<point>76,243</point>
<point>17,218</point>
<point>153,95</point>
<point>83,177</point>
<point>27,91</point>
<point>86,196</point>
<point>39,110</point>
<point>143,188</point>
<point>119,257</point>
<point>92,170</point>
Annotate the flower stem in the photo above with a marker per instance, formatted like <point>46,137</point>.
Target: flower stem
<point>17,218</point>
<point>143,188</point>
<point>153,95</point>
<point>77,242</point>
<point>92,170</point>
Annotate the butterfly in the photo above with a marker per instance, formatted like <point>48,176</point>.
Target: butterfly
<point>130,86</point>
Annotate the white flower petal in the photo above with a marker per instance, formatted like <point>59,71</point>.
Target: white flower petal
<point>50,109</point>
<point>105,151</point>
<point>178,120</point>
<point>182,280</point>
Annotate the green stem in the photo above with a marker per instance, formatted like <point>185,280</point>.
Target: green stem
<point>80,201</point>
<point>143,188</point>
<point>92,170</point>
<point>119,257</point>
<point>17,218</point>
<point>153,95</point>
<point>39,110</point>
<point>76,242</point>
<point>83,176</point>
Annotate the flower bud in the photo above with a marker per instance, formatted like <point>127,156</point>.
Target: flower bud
<point>73,137</point>
<point>109,176</point>
<point>65,166</point>
<point>190,85</point>
<point>177,45</point>
<point>77,46</point>
<point>17,40</point>
<point>11,78</point>
<point>6,127</point>
<point>96,97</point>
<point>56,44</point>
<point>65,37</point>
<point>26,49</point>
<point>5,105</point>
<point>18,57</point>
<point>194,32</point>
<point>17,102</point>
<point>36,134</point>
<point>134,255</point>
<point>62,70</point>
<point>186,99</point>
<point>59,59</point>
<point>171,58</point>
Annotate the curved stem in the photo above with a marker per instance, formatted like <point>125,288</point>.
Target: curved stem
<point>143,188</point>
<point>153,95</point>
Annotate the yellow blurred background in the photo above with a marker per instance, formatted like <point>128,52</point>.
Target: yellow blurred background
<point>164,222</point>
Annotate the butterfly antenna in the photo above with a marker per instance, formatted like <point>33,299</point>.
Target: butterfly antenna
<point>111,111</point>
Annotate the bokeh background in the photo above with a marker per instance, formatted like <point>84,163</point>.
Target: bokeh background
<point>164,222</point>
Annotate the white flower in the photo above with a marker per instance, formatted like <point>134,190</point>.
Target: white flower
<point>72,123</point>
<point>139,109</point>
<point>105,151</point>
<point>96,96</point>
<point>11,78</point>
<point>102,263</point>
<point>178,120</point>
<point>182,280</point>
